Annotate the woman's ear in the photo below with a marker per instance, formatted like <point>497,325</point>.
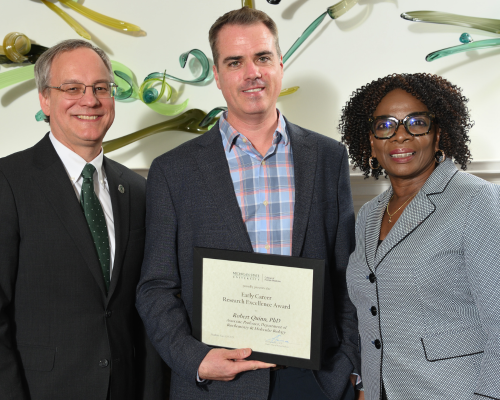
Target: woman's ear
<point>437,138</point>
<point>374,155</point>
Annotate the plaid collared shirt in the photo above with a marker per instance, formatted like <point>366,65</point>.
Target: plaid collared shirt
<point>264,187</point>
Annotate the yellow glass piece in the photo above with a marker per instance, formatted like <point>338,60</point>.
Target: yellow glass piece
<point>69,20</point>
<point>339,9</point>
<point>247,3</point>
<point>15,46</point>
<point>168,109</point>
<point>100,18</point>
<point>187,121</point>
<point>287,91</point>
<point>17,75</point>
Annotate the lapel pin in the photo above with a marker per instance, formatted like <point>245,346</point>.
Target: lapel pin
<point>121,189</point>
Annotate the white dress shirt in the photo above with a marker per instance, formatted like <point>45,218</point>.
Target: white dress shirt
<point>74,165</point>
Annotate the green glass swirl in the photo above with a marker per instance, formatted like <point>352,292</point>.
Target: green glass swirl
<point>200,56</point>
<point>310,29</point>
<point>481,44</point>
<point>334,12</point>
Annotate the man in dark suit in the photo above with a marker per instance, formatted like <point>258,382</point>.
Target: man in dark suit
<point>254,182</point>
<point>71,246</point>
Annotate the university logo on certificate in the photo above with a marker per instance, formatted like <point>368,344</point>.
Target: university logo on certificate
<point>272,304</point>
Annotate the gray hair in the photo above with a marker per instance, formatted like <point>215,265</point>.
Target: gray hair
<point>244,16</point>
<point>44,63</point>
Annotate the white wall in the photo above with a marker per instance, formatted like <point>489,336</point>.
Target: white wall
<point>370,41</point>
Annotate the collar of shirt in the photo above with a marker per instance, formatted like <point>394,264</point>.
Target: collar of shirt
<point>74,164</point>
<point>231,135</point>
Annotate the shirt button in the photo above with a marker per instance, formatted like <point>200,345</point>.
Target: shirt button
<point>263,162</point>
<point>373,310</point>
<point>265,203</point>
<point>103,363</point>
<point>377,344</point>
<point>267,247</point>
<point>108,313</point>
<point>372,277</point>
<point>244,140</point>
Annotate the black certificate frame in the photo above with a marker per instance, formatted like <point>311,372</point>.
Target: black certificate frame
<point>318,267</point>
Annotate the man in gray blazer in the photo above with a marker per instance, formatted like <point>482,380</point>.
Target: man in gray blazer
<point>254,182</point>
<point>71,246</point>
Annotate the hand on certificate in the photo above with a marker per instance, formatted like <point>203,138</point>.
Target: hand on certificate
<point>224,365</point>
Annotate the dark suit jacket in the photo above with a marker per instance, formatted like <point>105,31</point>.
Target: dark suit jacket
<point>61,337</point>
<point>191,202</point>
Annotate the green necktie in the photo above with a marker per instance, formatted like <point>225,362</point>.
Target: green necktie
<point>97,221</point>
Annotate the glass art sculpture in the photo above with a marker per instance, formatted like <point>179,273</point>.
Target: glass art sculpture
<point>247,3</point>
<point>189,121</point>
<point>68,19</point>
<point>94,16</point>
<point>485,24</point>
<point>17,75</point>
<point>436,17</point>
<point>335,11</point>
<point>17,48</point>
<point>194,121</point>
<point>468,44</point>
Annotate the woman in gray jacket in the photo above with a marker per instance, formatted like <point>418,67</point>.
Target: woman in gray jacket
<point>425,275</point>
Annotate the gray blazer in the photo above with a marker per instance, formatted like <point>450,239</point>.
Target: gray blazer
<point>191,202</point>
<point>61,337</point>
<point>428,297</point>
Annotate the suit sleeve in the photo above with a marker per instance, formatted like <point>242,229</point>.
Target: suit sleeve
<point>481,243</point>
<point>159,299</point>
<point>152,371</point>
<point>346,316</point>
<point>11,385</point>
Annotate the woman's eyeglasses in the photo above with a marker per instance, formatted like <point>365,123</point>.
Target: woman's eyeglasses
<point>416,124</point>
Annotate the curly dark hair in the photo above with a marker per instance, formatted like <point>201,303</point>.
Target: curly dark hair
<point>440,96</point>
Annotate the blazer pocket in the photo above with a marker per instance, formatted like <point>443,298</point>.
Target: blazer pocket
<point>37,358</point>
<point>453,344</point>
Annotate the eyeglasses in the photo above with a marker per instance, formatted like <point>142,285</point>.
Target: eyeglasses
<point>75,91</point>
<point>416,124</point>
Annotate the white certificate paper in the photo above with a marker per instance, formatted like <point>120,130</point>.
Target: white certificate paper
<point>267,308</point>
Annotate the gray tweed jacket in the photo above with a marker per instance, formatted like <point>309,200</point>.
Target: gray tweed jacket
<point>428,297</point>
<point>191,202</point>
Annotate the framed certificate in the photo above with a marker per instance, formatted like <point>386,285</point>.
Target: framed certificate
<point>269,303</point>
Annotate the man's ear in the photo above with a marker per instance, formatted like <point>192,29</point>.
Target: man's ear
<point>45,102</point>
<point>216,75</point>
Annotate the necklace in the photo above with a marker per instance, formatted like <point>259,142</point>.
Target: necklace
<point>394,213</point>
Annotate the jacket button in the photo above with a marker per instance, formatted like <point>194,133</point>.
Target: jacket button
<point>103,363</point>
<point>377,344</point>
<point>108,313</point>
<point>373,310</point>
<point>372,277</point>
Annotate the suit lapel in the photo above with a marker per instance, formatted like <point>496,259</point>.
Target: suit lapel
<point>121,217</point>
<point>413,215</point>
<point>419,209</point>
<point>372,230</point>
<point>305,157</point>
<point>211,161</point>
<point>51,179</point>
